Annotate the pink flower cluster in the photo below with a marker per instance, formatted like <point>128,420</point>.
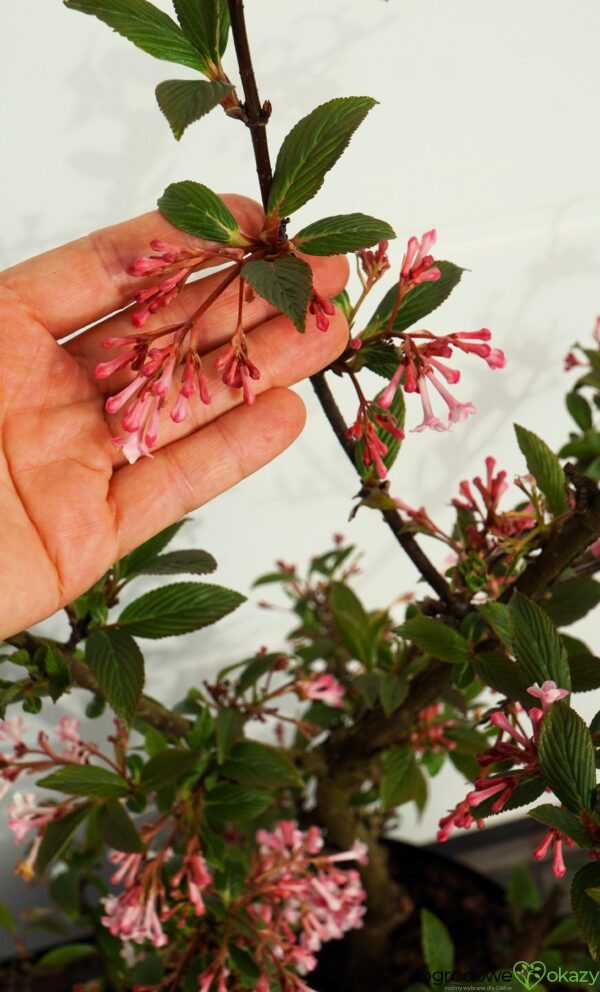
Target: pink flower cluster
<point>296,899</point>
<point>138,912</point>
<point>554,839</point>
<point>374,263</point>
<point>159,359</point>
<point>429,732</point>
<point>365,430</point>
<point>502,524</point>
<point>514,744</point>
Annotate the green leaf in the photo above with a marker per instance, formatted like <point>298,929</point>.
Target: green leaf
<point>117,829</point>
<point>286,283</point>
<point>545,468</point>
<point>118,666</point>
<point>537,645</point>
<point>7,919</point>
<point>206,24</point>
<point>399,768</point>
<point>311,148</point>
<point>61,957</point>
<point>85,780</point>
<point>178,609</point>
<point>435,638</point>
<point>194,208</point>
<point>342,234</point>
<point>351,622</point>
<point>243,962</point>
<point>57,835</point>
<point>189,562</point>
<point>134,562</point>
<point>146,26</point>
<point>57,670</point>
<point>585,908</point>
<point>255,764</point>
<point>567,758</point>
<point>571,599</point>
<point>561,819</point>
<point>393,690</point>
<point>438,949</point>
<point>580,410</point>
<point>522,892</point>
<point>380,357</point>
<point>585,672</point>
<point>502,674</point>
<point>184,101</point>
<point>497,616</point>
<point>253,671</point>
<point>167,768</point>
<point>420,301</point>
<point>229,726</point>
<point>236,802</point>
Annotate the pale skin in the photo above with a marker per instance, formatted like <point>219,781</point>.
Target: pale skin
<point>70,505</point>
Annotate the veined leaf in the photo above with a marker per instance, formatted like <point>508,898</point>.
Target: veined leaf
<point>420,301</point>
<point>311,148</point>
<point>184,101</point>
<point>585,906</point>
<point>438,949</point>
<point>536,643</point>
<point>206,24</point>
<point>116,828</point>
<point>567,758</point>
<point>146,26</point>
<point>342,234</point>
<point>545,468</point>
<point>189,562</point>
<point>57,835</point>
<point>236,802</point>
<point>168,767</point>
<point>194,208</point>
<point>255,764</point>
<point>85,780</point>
<point>178,609</point>
<point>118,666</point>
<point>435,638</point>
<point>286,283</point>
<point>134,562</point>
<point>571,599</point>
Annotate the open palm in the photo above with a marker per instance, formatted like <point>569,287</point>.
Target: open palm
<point>69,503</point>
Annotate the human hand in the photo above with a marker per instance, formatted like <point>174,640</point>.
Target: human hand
<point>69,502</point>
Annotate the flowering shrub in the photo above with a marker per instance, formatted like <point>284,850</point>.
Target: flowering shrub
<point>244,827</point>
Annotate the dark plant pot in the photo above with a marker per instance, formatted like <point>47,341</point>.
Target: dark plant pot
<point>472,906</point>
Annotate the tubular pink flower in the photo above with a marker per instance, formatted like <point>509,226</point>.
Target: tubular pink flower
<point>12,729</point>
<point>429,418</point>
<point>105,369</point>
<point>386,398</point>
<point>180,409</point>
<point>24,814</point>
<point>450,375</point>
<point>456,411</point>
<point>496,359</point>
<point>118,400</point>
<point>548,692</point>
<point>324,688</point>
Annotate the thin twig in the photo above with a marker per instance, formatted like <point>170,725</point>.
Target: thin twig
<point>256,114</point>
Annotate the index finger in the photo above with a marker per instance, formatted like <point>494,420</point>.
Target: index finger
<point>70,287</point>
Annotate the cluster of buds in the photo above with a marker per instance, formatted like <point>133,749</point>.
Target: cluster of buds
<point>554,839</point>
<point>322,309</point>
<point>429,732</point>
<point>373,264</point>
<point>514,744</point>
<point>159,359</point>
<point>365,430</point>
<point>296,898</point>
<point>502,524</point>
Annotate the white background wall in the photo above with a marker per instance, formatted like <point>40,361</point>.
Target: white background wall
<point>487,129</point>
